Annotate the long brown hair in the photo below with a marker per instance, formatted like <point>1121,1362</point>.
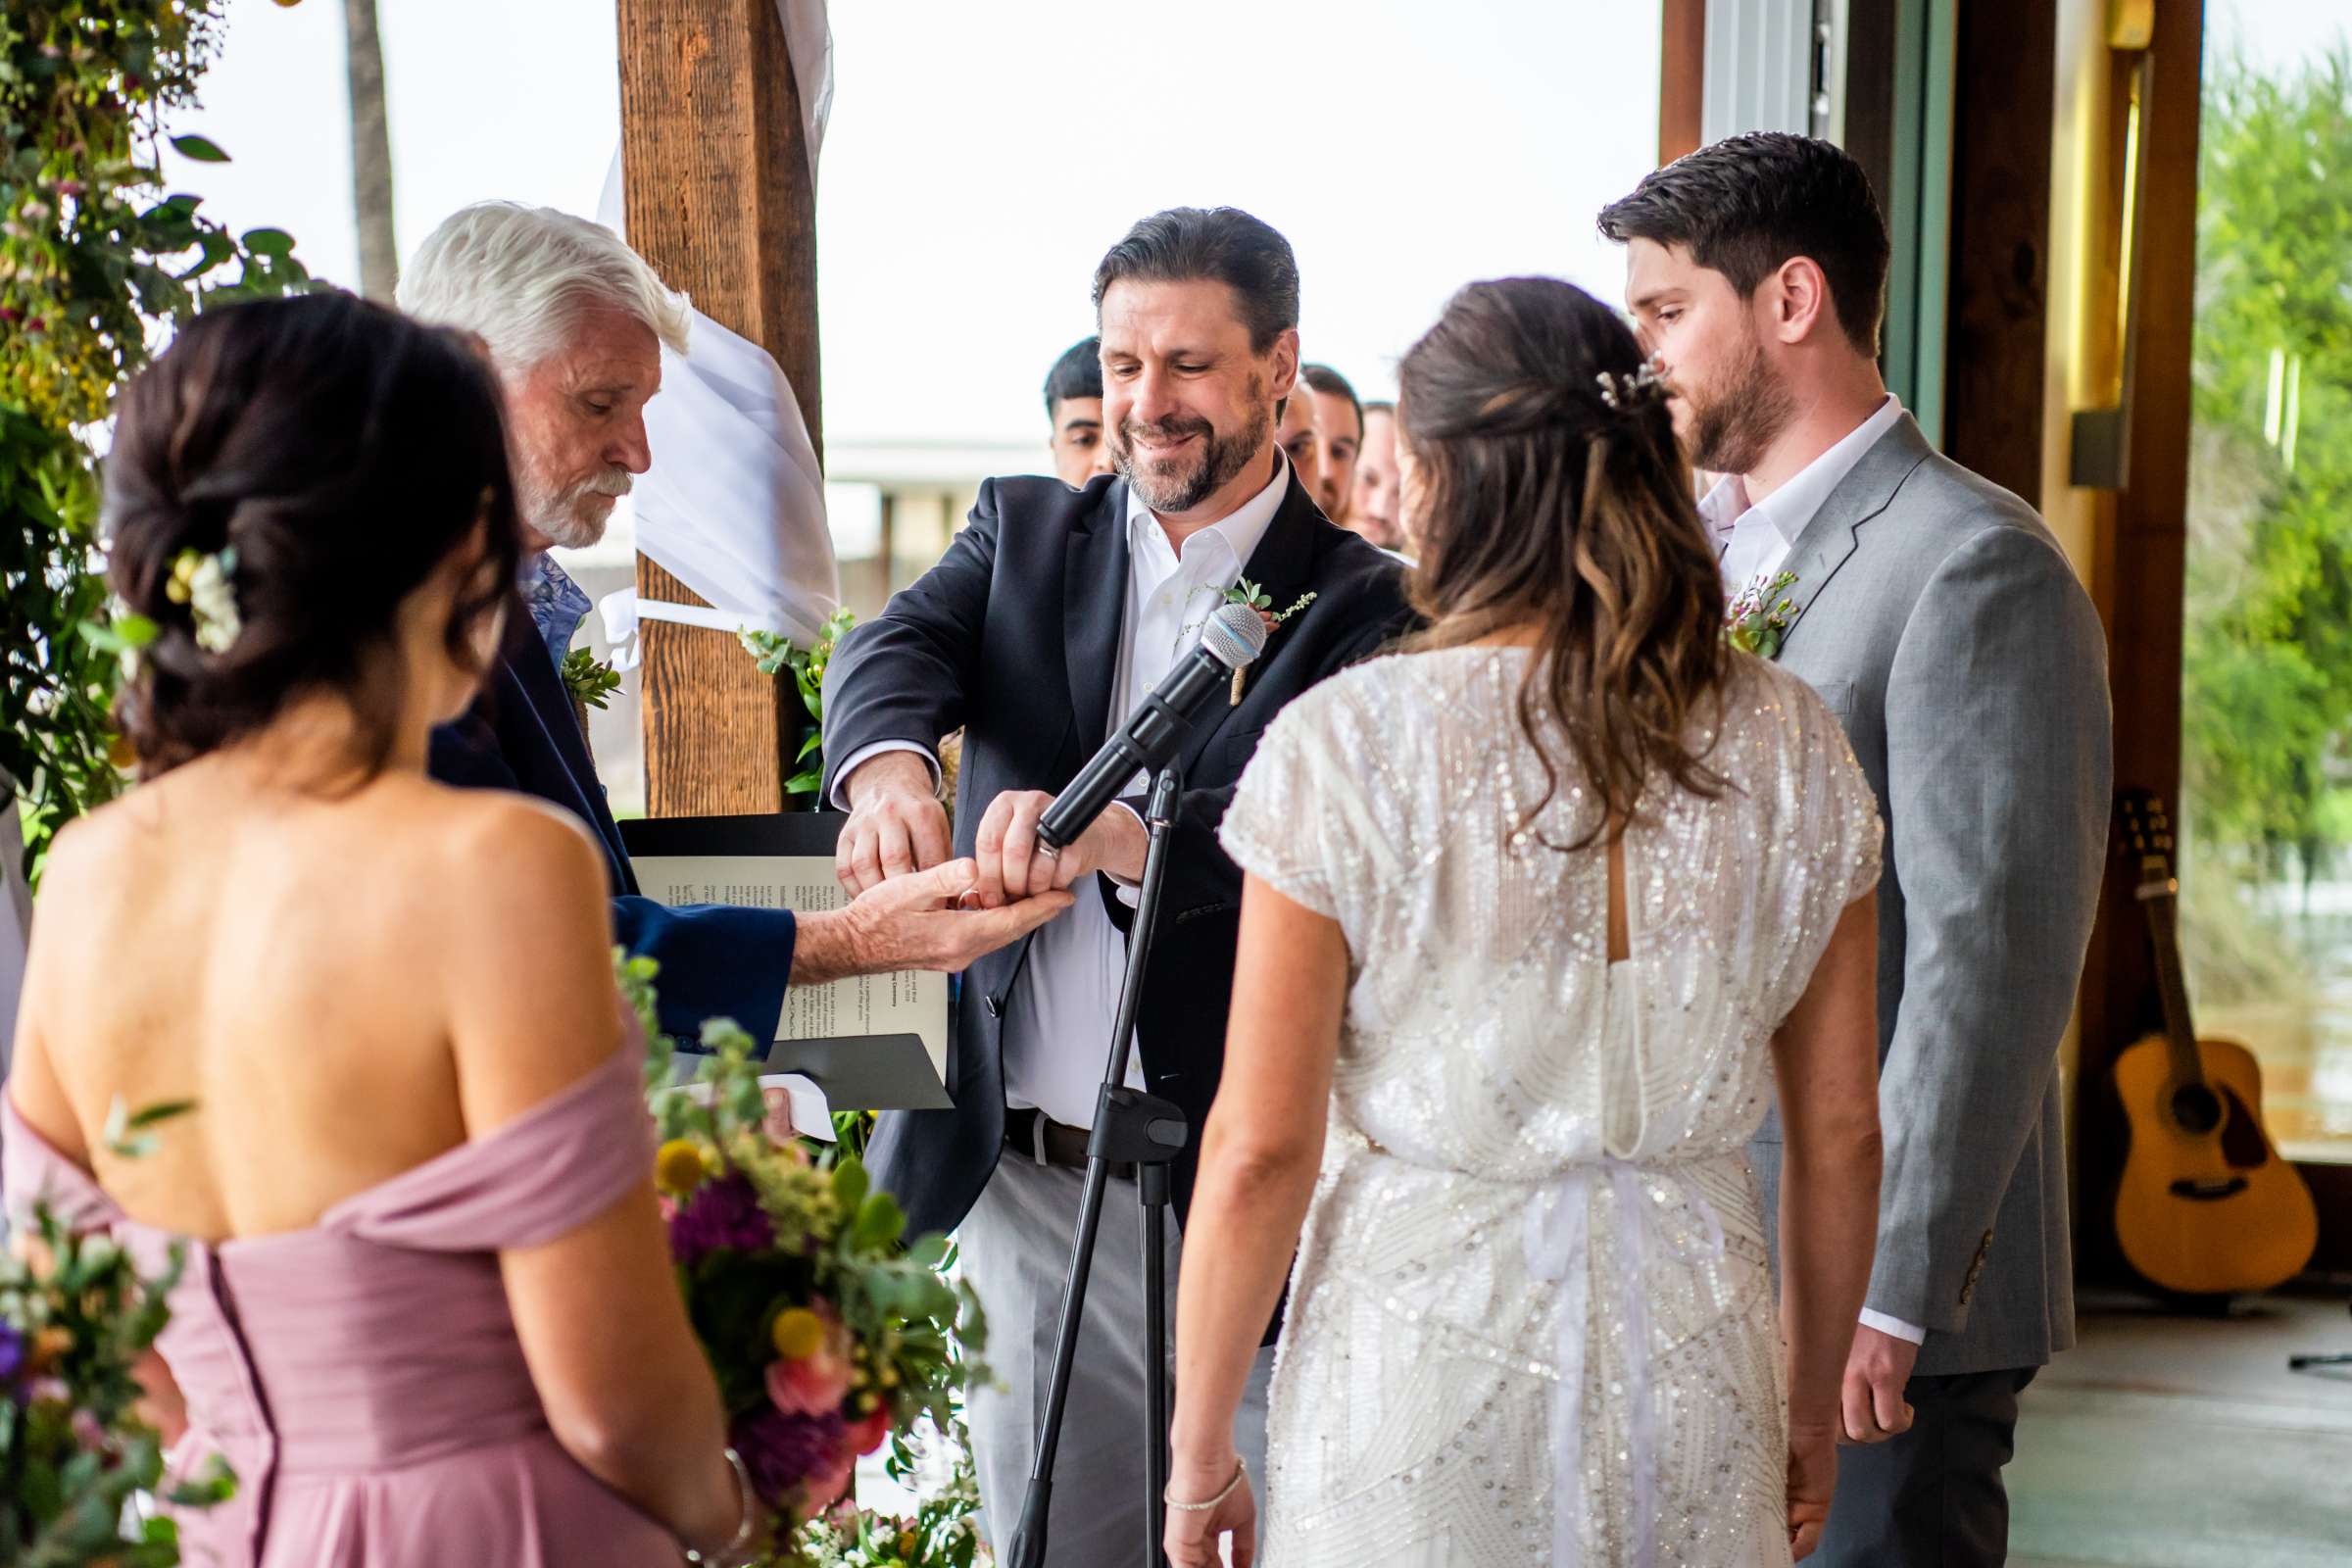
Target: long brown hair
<point>1542,501</point>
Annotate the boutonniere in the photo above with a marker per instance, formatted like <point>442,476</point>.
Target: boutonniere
<point>1759,616</point>
<point>1249,593</point>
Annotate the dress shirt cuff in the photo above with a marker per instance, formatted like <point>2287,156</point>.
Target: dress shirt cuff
<point>865,754</point>
<point>1127,891</point>
<point>1894,1326</point>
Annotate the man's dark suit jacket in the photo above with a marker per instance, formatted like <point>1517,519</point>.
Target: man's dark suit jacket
<point>717,962</point>
<point>1014,636</point>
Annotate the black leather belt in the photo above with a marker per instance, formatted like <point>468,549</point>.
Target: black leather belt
<point>1030,1134</point>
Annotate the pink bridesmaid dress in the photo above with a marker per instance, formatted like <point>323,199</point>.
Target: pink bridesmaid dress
<point>362,1375</point>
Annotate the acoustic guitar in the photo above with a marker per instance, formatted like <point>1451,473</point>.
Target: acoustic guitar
<point>2206,1207</point>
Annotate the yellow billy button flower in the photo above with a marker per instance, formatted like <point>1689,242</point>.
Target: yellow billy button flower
<point>678,1166</point>
<point>907,1543</point>
<point>799,1334</point>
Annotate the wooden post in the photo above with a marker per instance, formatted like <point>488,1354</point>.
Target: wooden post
<point>721,203</point>
<point>1996,362</point>
<point>2138,587</point>
<point>1681,76</point>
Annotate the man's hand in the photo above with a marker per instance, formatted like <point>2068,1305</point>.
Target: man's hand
<point>897,825</point>
<point>914,922</point>
<point>1015,866</point>
<point>1877,1370</point>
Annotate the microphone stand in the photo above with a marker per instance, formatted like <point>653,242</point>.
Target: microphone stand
<point>1131,1128</point>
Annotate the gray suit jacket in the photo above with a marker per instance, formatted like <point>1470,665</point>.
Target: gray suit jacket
<point>1939,621</point>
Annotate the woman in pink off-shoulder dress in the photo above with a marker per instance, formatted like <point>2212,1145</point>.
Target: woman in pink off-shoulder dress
<point>428,1315</point>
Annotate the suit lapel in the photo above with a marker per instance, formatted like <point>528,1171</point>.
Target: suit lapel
<point>547,708</point>
<point>1829,539</point>
<point>1093,607</point>
<point>1281,565</point>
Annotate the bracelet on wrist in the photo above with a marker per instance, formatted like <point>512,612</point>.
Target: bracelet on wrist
<point>733,1552</point>
<point>1240,1472</point>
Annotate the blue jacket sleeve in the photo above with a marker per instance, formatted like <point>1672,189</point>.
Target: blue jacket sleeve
<point>718,960</point>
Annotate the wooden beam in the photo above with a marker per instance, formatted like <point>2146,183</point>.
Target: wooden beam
<point>721,203</point>
<point>2138,585</point>
<point>1681,76</point>
<point>2006,76</point>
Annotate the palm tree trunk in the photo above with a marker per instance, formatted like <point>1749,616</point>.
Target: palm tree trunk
<point>370,152</point>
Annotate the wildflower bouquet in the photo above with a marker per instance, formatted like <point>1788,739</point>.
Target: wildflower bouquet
<point>76,1316</point>
<point>826,1335</point>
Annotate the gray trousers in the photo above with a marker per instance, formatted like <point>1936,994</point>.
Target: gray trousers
<point>1932,1497</point>
<point>1016,1251</point>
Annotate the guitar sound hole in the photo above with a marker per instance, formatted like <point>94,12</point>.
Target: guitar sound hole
<point>2197,1109</point>
<point>2208,1190</point>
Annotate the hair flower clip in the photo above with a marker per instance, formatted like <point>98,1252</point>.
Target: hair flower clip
<point>1623,391</point>
<point>204,583</point>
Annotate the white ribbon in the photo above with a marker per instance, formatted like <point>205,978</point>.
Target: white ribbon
<point>1559,1242</point>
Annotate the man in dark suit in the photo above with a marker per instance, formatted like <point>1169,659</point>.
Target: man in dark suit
<point>1048,620</point>
<point>573,320</point>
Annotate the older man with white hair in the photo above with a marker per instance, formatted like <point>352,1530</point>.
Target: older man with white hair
<point>574,323</point>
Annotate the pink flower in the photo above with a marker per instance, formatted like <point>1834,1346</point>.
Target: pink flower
<point>811,1378</point>
<point>812,1385</point>
<point>866,1436</point>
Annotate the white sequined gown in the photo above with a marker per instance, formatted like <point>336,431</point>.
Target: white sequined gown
<point>1530,1321</point>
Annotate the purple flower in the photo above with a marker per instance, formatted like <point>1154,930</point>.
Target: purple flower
<point>12,1351</point>
<point>724,1213</point>
<point>781,1450</point>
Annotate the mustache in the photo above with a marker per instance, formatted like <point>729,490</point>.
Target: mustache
<point>1173,428</point>
<point>611,482</point>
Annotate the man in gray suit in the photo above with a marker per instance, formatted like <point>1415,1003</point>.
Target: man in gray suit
<point>1939,620</point>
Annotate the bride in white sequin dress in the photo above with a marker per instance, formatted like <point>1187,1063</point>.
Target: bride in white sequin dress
<point>1532,1319</point>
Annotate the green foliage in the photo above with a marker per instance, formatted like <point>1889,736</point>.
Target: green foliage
<point>75,1317</point>
<point>939,1534</point>
<point>2267,665</point>
<point>591,682</point>
<point>94,257</point>
<point>776,653</point>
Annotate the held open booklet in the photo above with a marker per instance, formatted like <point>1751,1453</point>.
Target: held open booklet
<point>876,1042</point>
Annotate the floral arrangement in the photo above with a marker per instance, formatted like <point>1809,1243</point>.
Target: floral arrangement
<point>96,253</point>
<point>776,653</point>
<point>1757,618</point>
<point>75,1317</point>
<point>826,1335</point>
<point>939,1534</point>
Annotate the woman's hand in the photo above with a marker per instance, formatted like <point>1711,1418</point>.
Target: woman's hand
<point>1812,1476</point>
<point>1191,1537</point>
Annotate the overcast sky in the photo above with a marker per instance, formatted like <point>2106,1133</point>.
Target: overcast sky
<point>982,157</point>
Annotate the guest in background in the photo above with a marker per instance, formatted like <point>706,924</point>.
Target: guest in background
<point>1339,421</point>
<point>1374,510</point>
<point>1943,624</point>
<point>1300,438</point>
<point>429,1316</point>
<point>1074,414</point>
<point>574,323</point>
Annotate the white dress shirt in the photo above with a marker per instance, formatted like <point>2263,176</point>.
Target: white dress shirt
<point>1755,538</point>
<point>1065,1002</point>
<point>1755,541</point>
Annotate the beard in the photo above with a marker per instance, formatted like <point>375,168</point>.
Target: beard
<point>1734,426</point>
<point>1179,483</point>
<point>571,516</point>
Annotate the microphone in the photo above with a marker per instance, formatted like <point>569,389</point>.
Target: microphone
<point>1232,639</point>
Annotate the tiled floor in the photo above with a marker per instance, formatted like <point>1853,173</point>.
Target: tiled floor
<point>2168,1442</point>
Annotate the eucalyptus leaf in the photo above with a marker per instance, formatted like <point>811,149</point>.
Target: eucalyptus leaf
<point>200,149</point>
